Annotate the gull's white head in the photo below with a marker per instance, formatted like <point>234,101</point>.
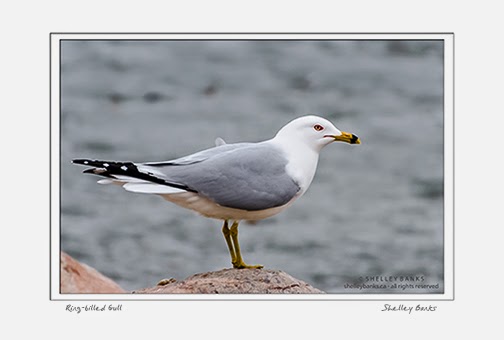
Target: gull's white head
<point>315,132</point>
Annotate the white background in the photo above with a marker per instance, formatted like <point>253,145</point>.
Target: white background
<point>25,172</point>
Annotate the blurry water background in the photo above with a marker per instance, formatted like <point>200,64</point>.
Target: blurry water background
<point>373,210</point>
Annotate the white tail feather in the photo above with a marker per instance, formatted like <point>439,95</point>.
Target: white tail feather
<point>105,181</point>
<point>151,188</point>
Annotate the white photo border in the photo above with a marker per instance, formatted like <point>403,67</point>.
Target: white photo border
<point>55,133</point>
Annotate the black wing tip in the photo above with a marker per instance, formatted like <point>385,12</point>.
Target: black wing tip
<point>82,161</point>
<point>111,168</point>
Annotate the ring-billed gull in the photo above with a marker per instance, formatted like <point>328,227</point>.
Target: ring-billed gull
<point>233,182</point>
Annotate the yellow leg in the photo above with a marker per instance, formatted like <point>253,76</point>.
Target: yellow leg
<point>227,237</point>
<point>237,260</point>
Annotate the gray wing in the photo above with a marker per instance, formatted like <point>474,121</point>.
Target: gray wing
<point>201,155</point>
<point>219,141</point>
<point>241,176</point>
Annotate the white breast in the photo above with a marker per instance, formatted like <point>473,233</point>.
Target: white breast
<point>209,208</point>
<point>302,162</point>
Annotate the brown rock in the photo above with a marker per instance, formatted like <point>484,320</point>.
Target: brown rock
<point>234,281</point>
<point>79,278</point>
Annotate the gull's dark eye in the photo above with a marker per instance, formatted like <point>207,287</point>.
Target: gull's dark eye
<point>318,127</point>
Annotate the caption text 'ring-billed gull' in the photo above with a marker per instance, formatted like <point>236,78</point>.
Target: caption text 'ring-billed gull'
<point>233,182</point>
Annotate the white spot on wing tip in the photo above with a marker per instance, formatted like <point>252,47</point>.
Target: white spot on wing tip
<point>124,167</point>
<point>86,162</point>
<point>105,164</point>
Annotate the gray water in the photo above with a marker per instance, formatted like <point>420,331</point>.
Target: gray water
<point>373,210</point>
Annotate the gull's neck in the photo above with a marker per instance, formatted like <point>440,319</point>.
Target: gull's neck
<point>302,160</point>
